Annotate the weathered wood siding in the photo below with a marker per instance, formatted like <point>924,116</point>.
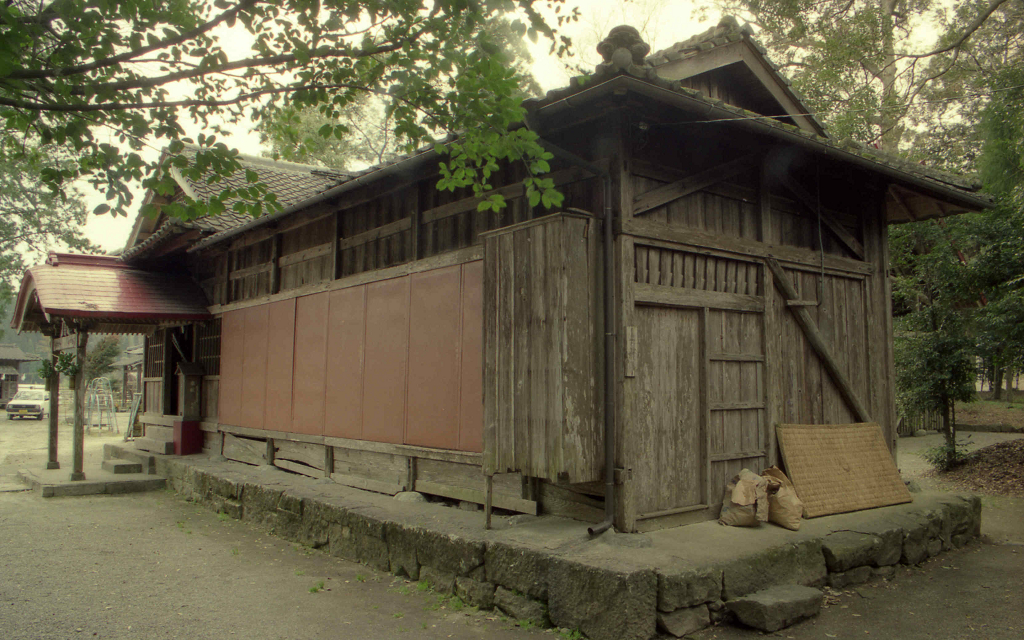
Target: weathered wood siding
<point>713,356</point>
<point>541,341</point>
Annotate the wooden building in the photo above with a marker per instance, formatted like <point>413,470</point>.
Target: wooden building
<point>11,357</point>
<point>392,337</point>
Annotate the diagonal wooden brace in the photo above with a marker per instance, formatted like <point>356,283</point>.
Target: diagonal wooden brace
<point>817,341</point>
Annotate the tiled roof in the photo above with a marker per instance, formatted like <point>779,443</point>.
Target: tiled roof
<point>354,175</point>
<point>13,352</point>
<point>649,74</point>
<point>728,30</point>
<point>105,288</point>
<point>290,182</point>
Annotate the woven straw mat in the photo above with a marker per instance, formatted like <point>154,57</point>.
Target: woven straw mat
<point>838,468</point>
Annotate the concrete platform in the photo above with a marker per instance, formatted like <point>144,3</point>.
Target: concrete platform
<point>53,483</point>
<point>617,586</point>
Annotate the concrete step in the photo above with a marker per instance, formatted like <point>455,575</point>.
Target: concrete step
<point>776,608</point>
<point>127,451</point>
<point>121,466</point>
<point>155,446</point>
<point>55,483</point>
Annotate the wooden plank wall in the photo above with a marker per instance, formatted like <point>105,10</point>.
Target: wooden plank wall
<point>694,277</point>
<point>542,359</point>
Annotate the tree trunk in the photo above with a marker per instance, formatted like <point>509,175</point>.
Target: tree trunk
<point>890,113</point>
<point>1009,386</point>
<point>997,384</point>
<point>949,431</point>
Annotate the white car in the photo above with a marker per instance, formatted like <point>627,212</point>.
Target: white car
<point>28,403</point>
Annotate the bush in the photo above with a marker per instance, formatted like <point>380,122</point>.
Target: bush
<point>943,459</point>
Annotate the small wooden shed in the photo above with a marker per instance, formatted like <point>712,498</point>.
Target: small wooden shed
<point>393,337</point>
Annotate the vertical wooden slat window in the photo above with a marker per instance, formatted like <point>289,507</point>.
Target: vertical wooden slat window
<point>208,346</point>
<point>155,355</point>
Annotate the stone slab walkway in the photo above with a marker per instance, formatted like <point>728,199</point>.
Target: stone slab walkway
<point>53,483</point>
<point>548,569</point>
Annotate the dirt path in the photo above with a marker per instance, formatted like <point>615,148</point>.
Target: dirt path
<point>152,566</point>
<point>1002,518</point>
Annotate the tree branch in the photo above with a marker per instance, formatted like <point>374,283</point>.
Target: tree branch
<point>129,55</point>
<point>149,83</point>
<point>968,32</point>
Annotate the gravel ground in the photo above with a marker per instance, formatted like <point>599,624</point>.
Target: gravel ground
<point>153,566</point>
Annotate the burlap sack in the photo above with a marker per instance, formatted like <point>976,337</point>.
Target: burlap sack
<point>745,503</point>
<point>784,506</point>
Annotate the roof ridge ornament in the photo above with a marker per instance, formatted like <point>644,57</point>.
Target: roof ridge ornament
<point>624,51</point>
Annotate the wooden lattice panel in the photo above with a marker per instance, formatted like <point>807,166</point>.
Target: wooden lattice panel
<point>838,468</point>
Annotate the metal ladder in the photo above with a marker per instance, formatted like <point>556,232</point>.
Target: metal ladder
<point>99,406</point>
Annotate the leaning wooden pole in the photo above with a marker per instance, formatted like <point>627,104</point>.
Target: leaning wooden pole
<point>54,384</point>
<point>817,341</point>
<point>78,472</point>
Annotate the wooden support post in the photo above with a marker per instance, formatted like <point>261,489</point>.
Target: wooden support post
<point>817,341</point>
<point>410,480</point>
<point>488,498</point>
<point>52,462</point>
<point>335,246</point>
<point>78,472</point>
<point>275,269</point>
<point>328,460</point>
<point>270,451</point>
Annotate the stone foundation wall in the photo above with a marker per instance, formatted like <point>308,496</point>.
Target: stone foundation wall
<point>619,599</point>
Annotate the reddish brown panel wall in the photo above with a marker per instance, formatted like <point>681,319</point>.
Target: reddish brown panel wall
<point>387,350</point>
<point>231,371</point>
<point>346,326</point>
<point>471,414</point>
<point>396,361</point>
<point>435,315</point>
<point>254,367</point>
<point>309,368</point>
<point>280,356</point>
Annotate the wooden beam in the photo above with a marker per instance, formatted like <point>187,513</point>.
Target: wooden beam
<point>691,184</point>
<point>770,80</point>
<point>812,204</point>
<point>817,341</point>
<point>335,232</point>
<point>78,437</point>
<point>248,271</point>
<point>373,234</point>
<point>659,295</point>
<point>658,235</point>
<point>306,254</point>
<point>275,272</point>
<point>448,259</point>
<point>901,204</point>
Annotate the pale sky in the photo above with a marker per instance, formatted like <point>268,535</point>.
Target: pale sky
<point>662,22</point>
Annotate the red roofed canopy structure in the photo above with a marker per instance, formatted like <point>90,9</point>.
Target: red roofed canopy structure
<point>71,295</point>
<point>106,294</point>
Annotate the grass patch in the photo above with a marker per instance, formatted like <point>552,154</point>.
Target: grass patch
<point>235,551</point>
<point>360,577</point>
<point>317,588</point>
<point>423,585</point>
<point>300,572</point>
